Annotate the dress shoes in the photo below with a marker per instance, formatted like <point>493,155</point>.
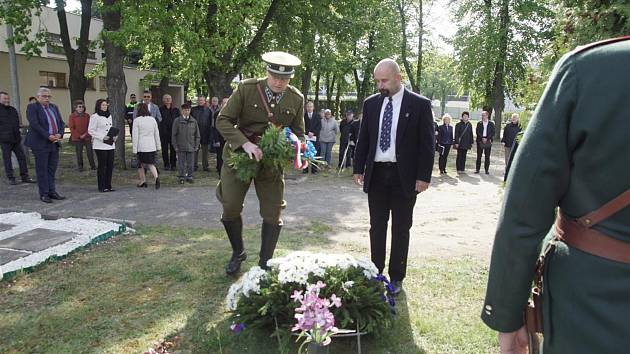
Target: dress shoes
<point>12,182</point>
<point>28,180</point>
<point>56,196</point>
<point>45,199</point>
<point>396,287</point>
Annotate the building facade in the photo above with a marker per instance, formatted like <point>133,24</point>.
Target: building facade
<point>51,68</point>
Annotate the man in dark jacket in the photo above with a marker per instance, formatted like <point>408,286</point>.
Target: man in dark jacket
<point>202,114</point>
<point>349,131</point>
<point>463,141</point>
<point>129,111</point>
<point>169,113</point>
<point>10,139</point>
<point>485,134</point>
<point>313,124</point>
<point>509,134</point>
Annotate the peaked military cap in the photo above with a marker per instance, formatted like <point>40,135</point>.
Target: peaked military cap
<point>281,63</point>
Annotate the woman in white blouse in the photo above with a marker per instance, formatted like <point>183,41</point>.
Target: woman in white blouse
<point>146,142</point>
<point>102,144</point>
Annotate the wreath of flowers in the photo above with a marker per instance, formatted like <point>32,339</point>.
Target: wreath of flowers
<point>281,149</point>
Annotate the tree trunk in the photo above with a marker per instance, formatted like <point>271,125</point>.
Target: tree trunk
<point>420,40</point>
<point>330,89</point>
<point>163,89</point>
<point>317,78</point>
<point>402,9</point>
<point>219,83</point>
<point>76,58</point>
<point>116,84</point>
<point>338,99</point>
<point>307,77</point>
<point>499,73</point>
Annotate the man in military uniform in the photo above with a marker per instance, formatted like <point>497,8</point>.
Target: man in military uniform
<point>574,156</point>
<point>244,119</point>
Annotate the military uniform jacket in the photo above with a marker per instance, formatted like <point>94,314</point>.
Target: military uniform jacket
<point>245,109</point>
<point>574,155</point>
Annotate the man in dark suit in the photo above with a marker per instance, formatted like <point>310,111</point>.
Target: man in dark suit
<point>485,135</point>
<point>44,138</point>
<point>393,162</point>
<point>313,125</point>
<point>10,139</point>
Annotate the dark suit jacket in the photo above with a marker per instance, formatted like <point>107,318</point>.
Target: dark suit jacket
<point>312,125</point>
<point>415,140</point>
<point>489,132</point>
<point>37,136</point>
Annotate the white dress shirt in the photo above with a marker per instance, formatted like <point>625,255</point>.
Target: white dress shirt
<point>485,129</point>
<point>390,154</point>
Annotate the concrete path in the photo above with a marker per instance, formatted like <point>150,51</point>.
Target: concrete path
<point>455,217</point>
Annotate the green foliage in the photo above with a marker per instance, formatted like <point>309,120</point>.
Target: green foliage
<point>277,154</point>
<point>17,13</point>
<point>477,44</point>
<point>362,303</point>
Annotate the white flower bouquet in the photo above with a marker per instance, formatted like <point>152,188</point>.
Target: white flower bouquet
<point>262,299</point>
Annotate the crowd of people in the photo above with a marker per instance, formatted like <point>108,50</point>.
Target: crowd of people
<point>181,136</point>
<point>184,135</point>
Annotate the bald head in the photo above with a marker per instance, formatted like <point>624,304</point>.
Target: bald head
<point>387,77</point>
<point>388,65</point>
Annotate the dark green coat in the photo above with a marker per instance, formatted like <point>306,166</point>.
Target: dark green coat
<point>575,155</point>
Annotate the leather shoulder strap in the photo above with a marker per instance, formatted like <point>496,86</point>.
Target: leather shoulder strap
<point>263,98</point>
<point>608,209</point>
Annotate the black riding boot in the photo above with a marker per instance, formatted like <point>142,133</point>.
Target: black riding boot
<point>269,238</point>
<point>234,230</point>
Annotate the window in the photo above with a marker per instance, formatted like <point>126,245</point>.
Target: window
<point>53,80</point>
<point>91,84</point>
<point>54,44</point>
<point>102,83</point>
<point>92,54</point>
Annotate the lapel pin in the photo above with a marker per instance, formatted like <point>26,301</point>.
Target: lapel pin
<point>255,105</point>
<point>407,114</point>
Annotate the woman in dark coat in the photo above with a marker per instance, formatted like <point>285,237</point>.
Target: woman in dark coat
<point>463,141</point>
<point>444,141</point>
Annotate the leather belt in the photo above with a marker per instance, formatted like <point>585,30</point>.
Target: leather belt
<point>385,164</point>
<point>575,234</point>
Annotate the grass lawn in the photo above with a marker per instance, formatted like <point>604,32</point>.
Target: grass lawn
<point>124,294</point>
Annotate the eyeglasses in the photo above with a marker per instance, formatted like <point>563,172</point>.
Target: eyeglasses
<point>45,96</point>
<point>80,106</point>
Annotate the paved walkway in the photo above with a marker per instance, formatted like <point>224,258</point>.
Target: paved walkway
<point>455,217</point>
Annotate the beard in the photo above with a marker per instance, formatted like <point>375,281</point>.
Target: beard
<point>384,92</point>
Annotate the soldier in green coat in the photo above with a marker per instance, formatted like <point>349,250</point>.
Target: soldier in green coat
<point>575,156</point>
<point>244,119</point>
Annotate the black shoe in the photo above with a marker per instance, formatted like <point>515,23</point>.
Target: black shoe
<point>167,167</point>
<point>269,238</point>
<point>487,172</point>
<point>28,180</point>
<point>196,168</point>
<point>396,287</point>
<point>234,230</point>
<point>181,181</point>
<point>206,169</point>
<point>142,185</point>
<point>56,196</point>
<point>111,190</point>
<point>476,171</point>
<point>45,199</point>
<point>157,183</point>
<point>13,182</point>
